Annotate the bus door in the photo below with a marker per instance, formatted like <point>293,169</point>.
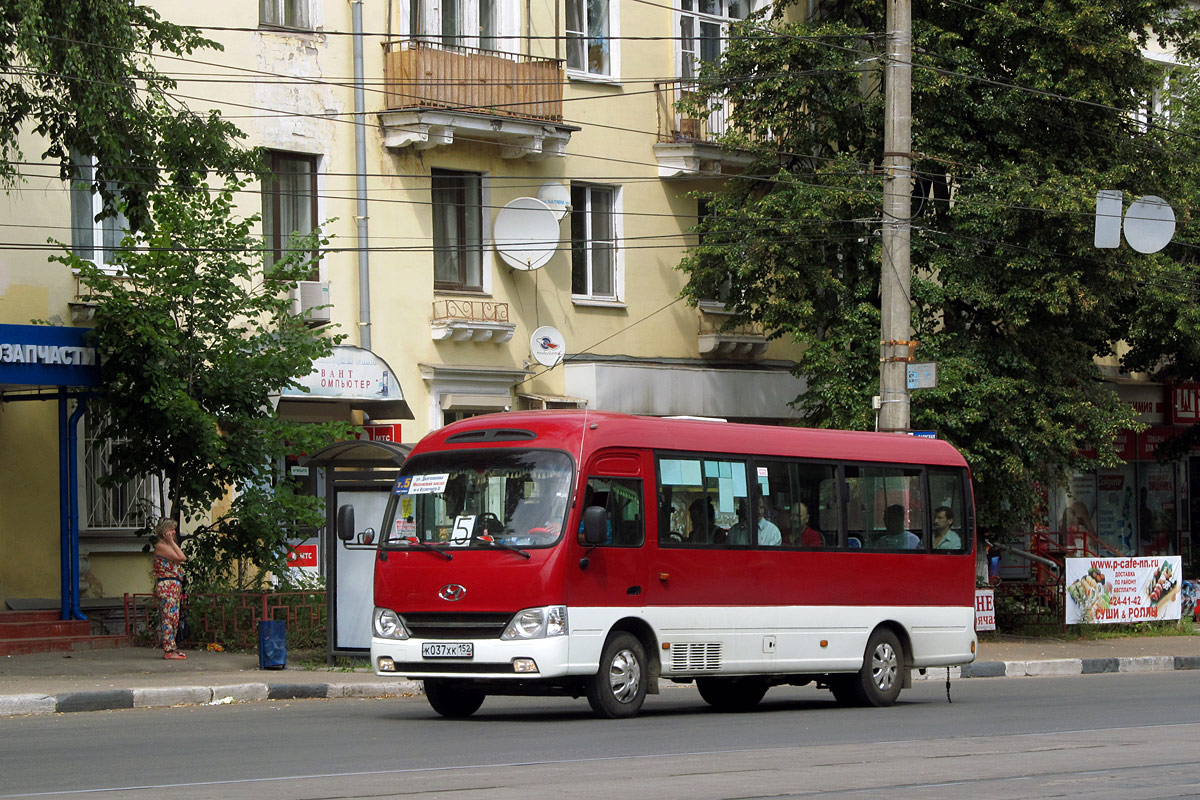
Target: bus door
<point>614,575</point>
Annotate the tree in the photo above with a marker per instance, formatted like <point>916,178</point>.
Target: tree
<point>1022,111</point>
<point>79,73</point>
<point>194,338</point>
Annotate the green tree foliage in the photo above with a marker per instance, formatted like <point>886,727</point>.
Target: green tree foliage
<point>1022,110</point>
<point>79,74</point>
<point>194,339</point>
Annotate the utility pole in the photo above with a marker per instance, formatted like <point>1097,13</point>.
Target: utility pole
<point>895,350</point>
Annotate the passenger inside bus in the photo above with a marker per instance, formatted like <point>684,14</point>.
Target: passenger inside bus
<point>768,532</point>
<point>896,537</point>
<point>809,536</point>
<point>944,538</point>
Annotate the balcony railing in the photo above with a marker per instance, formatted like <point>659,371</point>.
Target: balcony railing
<point>423,74</point>
<point>459,320</point>
<point>676,127</point>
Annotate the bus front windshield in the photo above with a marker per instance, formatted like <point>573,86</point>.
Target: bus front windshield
<point>480,498</point>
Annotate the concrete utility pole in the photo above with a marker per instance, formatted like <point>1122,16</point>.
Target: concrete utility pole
<point>895,346</point>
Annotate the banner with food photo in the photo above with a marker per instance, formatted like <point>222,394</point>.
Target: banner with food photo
<point>1105,590</point>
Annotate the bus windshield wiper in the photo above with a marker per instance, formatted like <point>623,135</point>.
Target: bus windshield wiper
<point>415,542</point>
<point>487,539</point>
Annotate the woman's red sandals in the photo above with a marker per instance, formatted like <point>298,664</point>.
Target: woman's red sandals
<point>174,654</point>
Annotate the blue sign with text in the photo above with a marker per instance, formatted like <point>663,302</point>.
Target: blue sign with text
<point>45,355</point>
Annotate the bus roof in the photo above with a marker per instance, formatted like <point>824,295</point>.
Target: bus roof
<point>571,429</point>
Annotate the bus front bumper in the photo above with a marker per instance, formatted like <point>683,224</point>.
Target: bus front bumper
<point>488,658</point>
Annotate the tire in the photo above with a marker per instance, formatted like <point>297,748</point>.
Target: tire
<point>879,681</point>
<point>618,690</point>
<point>452,700</point>
<point>732,694</point>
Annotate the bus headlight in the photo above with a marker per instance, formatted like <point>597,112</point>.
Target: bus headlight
<point>537,623</point>
<point>388,625</point>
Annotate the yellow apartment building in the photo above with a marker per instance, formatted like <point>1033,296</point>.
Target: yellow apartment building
<point>508,192</point>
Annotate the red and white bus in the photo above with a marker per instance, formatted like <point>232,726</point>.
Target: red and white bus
<point>593,554</point>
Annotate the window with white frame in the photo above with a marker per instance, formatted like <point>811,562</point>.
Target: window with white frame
<point>594,271</point>
<point>285,14</point>
<point>590,37</point>
<point>123,507</point>
<point>486,24</point>
<point>457,230</point>
<point>1154,109</point>
<point>289,202</point>
<point>703,25</point>
<point>95,240</point>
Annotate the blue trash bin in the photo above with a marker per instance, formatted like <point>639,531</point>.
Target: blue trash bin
<point>272,644</point>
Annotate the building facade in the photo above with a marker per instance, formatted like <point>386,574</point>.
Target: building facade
<point>487,170</point>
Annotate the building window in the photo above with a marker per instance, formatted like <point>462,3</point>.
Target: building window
<point>289,202</point>
<point>122,507</point>
<point>284,13</point>
<point>462,23</point>
<point>94,240</point>
<point>457,230</point>
<point>593,242</point>
<point>703,25</point>
<point>588,37</point>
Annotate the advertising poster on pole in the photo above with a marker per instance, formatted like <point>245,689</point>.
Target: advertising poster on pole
<point>1106,590</point>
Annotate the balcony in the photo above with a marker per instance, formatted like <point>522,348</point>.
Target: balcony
<point>717,338</point>
<point>456,320</point>
<point>434,92</point>
<point>689,145</point>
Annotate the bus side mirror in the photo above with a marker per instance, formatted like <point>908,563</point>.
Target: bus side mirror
<point>595,525</point>
<point>345,523</point>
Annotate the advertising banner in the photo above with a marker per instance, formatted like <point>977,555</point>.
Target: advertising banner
<point>1104,590</point>
<point>985,610</point>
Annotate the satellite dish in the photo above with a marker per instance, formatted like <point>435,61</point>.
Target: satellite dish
<point>1149,224</point>
<point>526,233</point>
<point>547,346</point>
<point>556,196</point>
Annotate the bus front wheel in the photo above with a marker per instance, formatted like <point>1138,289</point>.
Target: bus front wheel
<point>452,700</point>
<point>879,681</point>
<point>732,694</point>
<point>619,688</point>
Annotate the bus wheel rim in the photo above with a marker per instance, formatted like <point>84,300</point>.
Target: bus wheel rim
<point>884,666</point>
<point>624,676</point>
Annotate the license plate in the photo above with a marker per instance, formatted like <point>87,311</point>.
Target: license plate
<point>447,650</point>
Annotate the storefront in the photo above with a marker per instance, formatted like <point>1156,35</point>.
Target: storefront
<point>1145,506</point>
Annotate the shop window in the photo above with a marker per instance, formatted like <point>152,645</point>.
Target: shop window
<point>139,503</point>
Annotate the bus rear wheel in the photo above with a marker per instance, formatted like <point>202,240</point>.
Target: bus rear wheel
<point>452,700</point>
<point>732,694</point>
<point>879,681</point>
<point>619,688</point>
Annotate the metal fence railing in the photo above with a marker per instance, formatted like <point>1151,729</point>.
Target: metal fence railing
<point>231,619</point>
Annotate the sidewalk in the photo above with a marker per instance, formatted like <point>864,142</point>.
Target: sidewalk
<point>138,677</point>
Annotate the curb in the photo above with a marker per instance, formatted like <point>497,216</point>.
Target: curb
<point>165,696</point>
<point>159,697</point>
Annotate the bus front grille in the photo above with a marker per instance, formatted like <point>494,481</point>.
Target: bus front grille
<point>456,626</point>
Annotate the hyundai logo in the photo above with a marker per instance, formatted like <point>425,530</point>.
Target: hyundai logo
<point>452,592</point>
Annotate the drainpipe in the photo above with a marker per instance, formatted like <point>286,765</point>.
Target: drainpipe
<point>360,167</point>
<point>73,480</point>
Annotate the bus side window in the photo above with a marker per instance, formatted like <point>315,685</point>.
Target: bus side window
<point>621,498</point>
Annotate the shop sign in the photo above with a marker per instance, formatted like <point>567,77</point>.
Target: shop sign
<point>1185,403</point>
<point>381,433</point>
<point>46,355</point>
<point>303,555</point>
<point>1106,590</point>
<point>1149,440</point>
<point>985,610</point>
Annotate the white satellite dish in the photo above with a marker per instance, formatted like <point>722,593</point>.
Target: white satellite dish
<point>556,196</point>
<point>526,233</point>
<point>1149,224</point>
<point>547,346</point>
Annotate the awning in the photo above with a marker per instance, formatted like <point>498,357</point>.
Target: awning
<point>498,402</point>
<point>359,453</point>
<point>350,378</point>
<point>536,401</point>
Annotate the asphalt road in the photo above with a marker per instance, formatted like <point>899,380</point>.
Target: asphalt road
<point>1099,736</point>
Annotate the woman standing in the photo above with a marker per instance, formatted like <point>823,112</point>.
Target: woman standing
<point>168,583</point>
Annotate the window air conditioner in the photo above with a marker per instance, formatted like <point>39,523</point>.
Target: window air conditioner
<point>310,299</point>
